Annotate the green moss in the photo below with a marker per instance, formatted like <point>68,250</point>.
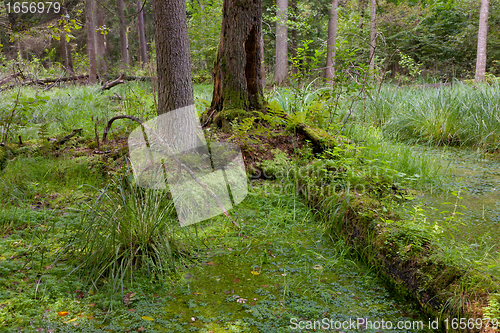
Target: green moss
<point>224,117</point>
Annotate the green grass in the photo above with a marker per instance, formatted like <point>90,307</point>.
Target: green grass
<point>42,180</point>
<point>463,115</point>
<point>411,166</point>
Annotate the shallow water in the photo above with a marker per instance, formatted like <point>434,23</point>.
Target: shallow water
<point>474,197</point>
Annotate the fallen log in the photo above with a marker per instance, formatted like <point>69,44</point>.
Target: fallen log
<point>66,138</point>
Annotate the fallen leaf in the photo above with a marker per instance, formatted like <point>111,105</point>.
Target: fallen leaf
<point>255,272</point>
<point>92,305</point>
<point>236,280</point>
<point>140,329</point>
<point>131,310</point>
<point>63,313</point>
<point>147,318</point>
<point>198,293</point>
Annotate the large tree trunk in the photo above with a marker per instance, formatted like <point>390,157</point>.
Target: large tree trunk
<point>123,35</point>
<point>102,67</point>
<point>175,86</point>
<point>294,11</point>
<point>332,37</point>
<point>237,68</point>
<point>281,69</point>
<point>90,27</point>
<point>373,35</point>
<point>482,38</point>
<point>142,34</point>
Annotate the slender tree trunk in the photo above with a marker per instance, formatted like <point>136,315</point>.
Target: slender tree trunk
<point>281,69</point>
<point>102,67</point>
<point>332,37</point>
<point>294,11</point>
<point>142,34</point>
<point>90,27</point>
<point>123,35</point>
<point>237,68</point>
<point>482,38</point>
<point>66,54</point>
<point>263,64</point>
<point>373,35</point>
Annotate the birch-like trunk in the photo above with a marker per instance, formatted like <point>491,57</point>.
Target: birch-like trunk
<point>482,38</point>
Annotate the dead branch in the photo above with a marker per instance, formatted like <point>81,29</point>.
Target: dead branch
<point>65,139</point>
<point>111,84</point>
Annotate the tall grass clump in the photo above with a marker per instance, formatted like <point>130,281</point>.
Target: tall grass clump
<point>461,115</point>
<point>410,164</point>
<point>126,229</point>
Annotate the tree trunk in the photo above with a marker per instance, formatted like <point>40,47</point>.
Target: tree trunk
<point>90,27</point>
<point>237,68</point>
<point>263,64</point>
<point>482,38</point>
<point>293,6</point>
<point>66,51</point>
<point>66,54</point>
<point>332,37</point>
<point>373,35</point>
<point>142,34</point>
<point>102,67</point>
<point>281,68</point>
<point>123,35</point>
<point>175,86</point>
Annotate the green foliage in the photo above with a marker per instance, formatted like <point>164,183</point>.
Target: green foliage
<point>204,26</point>
<point>16,114</point>
<point>493,309</point>
<point>414,69</point>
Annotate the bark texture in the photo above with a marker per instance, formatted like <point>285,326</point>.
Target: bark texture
<point>332,38</point>
<point>482,38</point>
<point>281,69</point>
<point>373,35</point>
<point>123,35</point>
<point>175,87</point>
<point>237,69</point>
<point>142,34</point>
<point>90,27</point>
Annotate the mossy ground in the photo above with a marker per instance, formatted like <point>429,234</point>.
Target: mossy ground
<point>280,265</point>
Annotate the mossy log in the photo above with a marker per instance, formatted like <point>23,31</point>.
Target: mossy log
<point>319,138</point>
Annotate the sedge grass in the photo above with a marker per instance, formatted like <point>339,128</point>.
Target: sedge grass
<point>461,115</point>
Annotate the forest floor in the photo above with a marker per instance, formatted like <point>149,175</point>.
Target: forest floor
<point>286,264</point>
<point>279,269</point>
